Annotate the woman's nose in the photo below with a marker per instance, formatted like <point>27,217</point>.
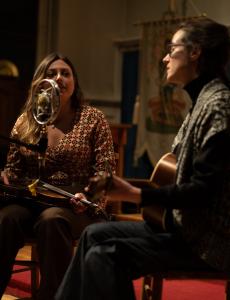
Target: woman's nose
<point>58,76</point>
<point>166,58</point>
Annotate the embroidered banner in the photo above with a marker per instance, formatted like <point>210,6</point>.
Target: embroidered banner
<point>162,106</point>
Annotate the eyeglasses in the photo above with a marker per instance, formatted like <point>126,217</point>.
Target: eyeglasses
<point>171,47</point>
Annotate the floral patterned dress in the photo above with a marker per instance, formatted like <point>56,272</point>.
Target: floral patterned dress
<point>86,149</point>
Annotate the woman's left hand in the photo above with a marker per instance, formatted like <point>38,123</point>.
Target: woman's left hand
<point>76,203</point>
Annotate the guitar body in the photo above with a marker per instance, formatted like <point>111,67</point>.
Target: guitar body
<point>163,174</point>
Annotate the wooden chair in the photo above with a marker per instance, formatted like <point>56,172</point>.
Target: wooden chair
<point>119,133</point>
<point>31,264</point>
<point>153,283</point>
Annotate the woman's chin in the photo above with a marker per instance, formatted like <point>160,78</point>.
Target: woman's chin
<point>173,80</point>
<point>170,79</point>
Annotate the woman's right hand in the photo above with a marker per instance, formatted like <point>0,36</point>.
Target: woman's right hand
<point>77,205</point>
<point>4,178</point>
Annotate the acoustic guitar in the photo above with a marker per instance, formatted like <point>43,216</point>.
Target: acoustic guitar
<point>163,174</point>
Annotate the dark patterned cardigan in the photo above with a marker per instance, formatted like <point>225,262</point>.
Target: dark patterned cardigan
<point>206,229</point>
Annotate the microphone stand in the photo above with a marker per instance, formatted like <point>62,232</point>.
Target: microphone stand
<point>40,147</point>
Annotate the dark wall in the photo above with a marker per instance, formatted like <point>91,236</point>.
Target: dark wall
<point>18,36</point>
<point>18,32</point>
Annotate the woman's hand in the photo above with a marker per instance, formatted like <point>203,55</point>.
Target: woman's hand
<point>4,178</point>
<point>77,205</point>
<point>119,190</point>
<point>122,190</point>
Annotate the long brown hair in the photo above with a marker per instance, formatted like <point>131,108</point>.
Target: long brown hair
<point>27,128</point>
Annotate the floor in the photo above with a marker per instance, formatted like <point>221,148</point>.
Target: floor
<point>8,297</point>
<point>24,254</point>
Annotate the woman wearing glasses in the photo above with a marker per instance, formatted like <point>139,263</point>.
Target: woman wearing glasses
<point>198,204</point>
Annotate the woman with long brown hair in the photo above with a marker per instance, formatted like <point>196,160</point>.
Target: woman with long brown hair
<point>79,144</point>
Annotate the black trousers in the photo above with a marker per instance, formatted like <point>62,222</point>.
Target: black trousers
<point>110,255</point>
<point>54,229</point>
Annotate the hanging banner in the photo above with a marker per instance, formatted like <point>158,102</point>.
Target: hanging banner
<point>162,106</point>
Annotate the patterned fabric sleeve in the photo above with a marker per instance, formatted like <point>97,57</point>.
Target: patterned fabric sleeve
<point>13,167</point>
<point>79,154</point>
<point>214,118</point>
<point>103,146</point>
<point>104,152</point>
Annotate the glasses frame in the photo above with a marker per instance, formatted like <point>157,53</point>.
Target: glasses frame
<point>170,45</point>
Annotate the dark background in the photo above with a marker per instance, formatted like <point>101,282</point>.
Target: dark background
<point>18,38</point>
<point>18,32</point>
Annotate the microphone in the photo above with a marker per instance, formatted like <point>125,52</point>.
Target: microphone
<point>45,108</point>
<point>45,101</point>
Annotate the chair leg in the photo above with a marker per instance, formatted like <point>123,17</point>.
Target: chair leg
<point>146,288</point>
<point>157,286</point>
<point>152,288</point>
<point>227,290</point>
<point>35,274</point>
